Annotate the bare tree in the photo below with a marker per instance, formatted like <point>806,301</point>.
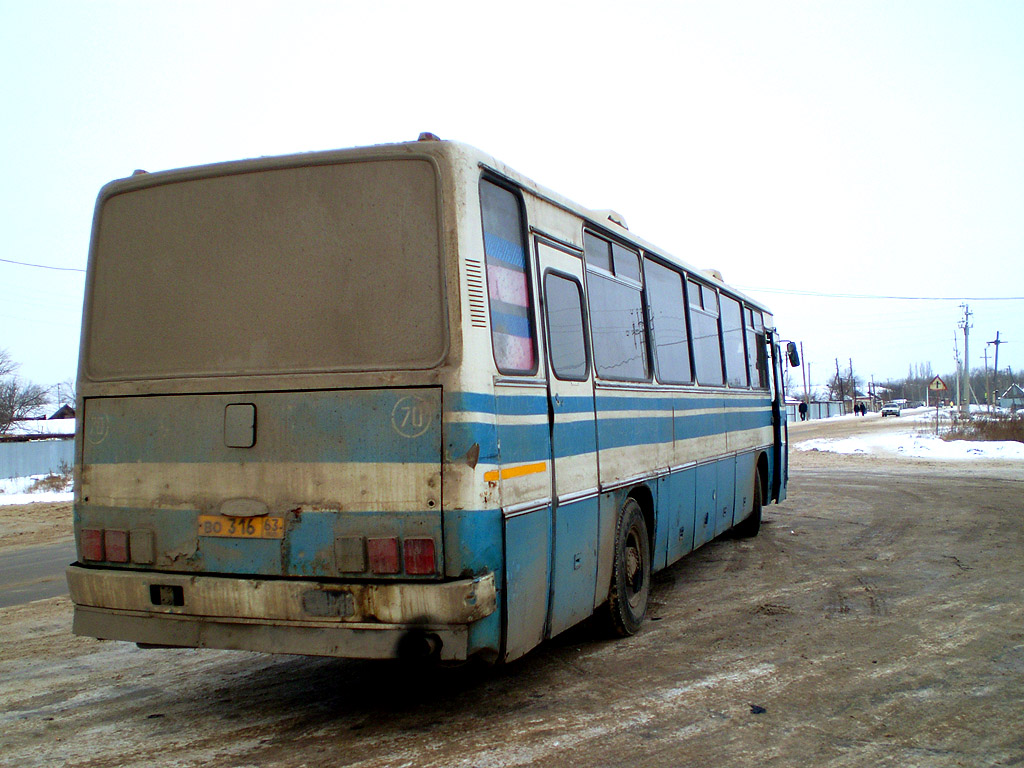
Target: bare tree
<point>7,366</point>
<point>66,392</point>
<point>18,398</point>
<point>788,382</point>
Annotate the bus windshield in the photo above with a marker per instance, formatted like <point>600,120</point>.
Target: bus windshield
<point>328,267</point>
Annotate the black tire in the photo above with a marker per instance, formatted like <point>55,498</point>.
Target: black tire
<point>749,527</point>
<point>631,573</point>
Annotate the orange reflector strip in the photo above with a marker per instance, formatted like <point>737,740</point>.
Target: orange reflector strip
<point>507,472</point>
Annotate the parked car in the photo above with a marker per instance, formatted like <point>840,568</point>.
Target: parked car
<point>891,409</point>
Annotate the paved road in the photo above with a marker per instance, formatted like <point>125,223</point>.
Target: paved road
<point>34,573</point>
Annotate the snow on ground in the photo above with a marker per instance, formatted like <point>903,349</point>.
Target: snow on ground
<point>16,491</point>
<point>914,437</point>
<point>918,446</point>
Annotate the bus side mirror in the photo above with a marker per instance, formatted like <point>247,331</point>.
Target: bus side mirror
<point>794,356</point>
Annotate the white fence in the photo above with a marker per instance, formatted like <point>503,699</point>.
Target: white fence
<point>35,457</point>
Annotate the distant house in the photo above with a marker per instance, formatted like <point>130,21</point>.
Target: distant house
<point>1013,398</point>
<point>65,412</point>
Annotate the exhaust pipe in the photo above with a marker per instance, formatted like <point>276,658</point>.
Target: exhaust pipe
<point>417,645</point>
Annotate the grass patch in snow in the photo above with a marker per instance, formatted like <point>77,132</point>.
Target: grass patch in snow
<point>986,428</point>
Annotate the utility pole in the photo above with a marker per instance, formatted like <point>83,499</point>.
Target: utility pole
<point>853,386</point>
<point>839,381</point>
<point>966,325</point>
<point>803,370</point>
<point>988,388</point>
<point>995,365</point>
<point>959,373</point>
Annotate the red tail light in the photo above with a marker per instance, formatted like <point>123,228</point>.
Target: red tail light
<point>419,556</point>
<point>383,555</point>
<point>116,545</point>
<point>92,544</point>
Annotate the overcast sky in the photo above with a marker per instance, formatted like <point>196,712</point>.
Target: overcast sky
<point>829,149</point>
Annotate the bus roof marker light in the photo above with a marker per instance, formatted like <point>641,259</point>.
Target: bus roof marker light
<point>428,136</point>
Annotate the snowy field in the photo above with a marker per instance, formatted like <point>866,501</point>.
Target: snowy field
<point>912,435</point>
<point>16,491</point>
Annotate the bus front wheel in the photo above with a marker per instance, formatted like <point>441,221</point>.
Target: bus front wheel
<point>631,572</point>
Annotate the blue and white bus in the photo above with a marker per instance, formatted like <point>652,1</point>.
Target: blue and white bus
<point>400,400</point>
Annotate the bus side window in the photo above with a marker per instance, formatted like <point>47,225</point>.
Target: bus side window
<point>732,342</point>
<point>707,347</point>
<point>757,363</point>
<point>618,328</point>
<point>617,324</point>
<point>626,262</point>
<point>564,315</point>
<point>668,323</point>
<point>508,283</point>
<point>597,251</point>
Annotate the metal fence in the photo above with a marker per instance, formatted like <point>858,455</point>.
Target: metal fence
<point>815,410</point>
<point>35,457</point>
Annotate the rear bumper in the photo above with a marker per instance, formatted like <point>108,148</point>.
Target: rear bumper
<point>278,615</point>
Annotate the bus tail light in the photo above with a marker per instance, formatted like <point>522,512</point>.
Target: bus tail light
<point>92,544</point>
<point>115,544</point>
<point>383,555</point>
<point>419,556</point>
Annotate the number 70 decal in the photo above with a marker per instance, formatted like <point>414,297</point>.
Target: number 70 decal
<point>411,416</point>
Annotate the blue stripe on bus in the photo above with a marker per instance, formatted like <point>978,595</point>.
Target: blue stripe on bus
<point>573,438</point>
<point>510,405</point>
<point>623,433</point>
<point>529,442</point>
<point>525,404</point>
<point>461,436</point>
<point>521,443</point>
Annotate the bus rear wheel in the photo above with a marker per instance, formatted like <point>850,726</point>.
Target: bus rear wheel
<point>749,527</point>
<point>631,572</point>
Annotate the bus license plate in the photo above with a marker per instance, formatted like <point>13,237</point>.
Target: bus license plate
<point>241,527</point>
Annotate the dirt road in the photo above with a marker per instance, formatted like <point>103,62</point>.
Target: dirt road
<point>876,621</point>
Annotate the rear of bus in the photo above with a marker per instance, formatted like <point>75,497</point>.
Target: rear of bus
<point>259,450</point>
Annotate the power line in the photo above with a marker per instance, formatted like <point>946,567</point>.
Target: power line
<point>795,292</point>
<point>42,266</point>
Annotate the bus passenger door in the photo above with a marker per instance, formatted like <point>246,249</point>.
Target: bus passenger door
<point>573,437</point>
<point>780,427</point>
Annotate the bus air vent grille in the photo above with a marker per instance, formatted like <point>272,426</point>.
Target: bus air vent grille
<point>475,287</point>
